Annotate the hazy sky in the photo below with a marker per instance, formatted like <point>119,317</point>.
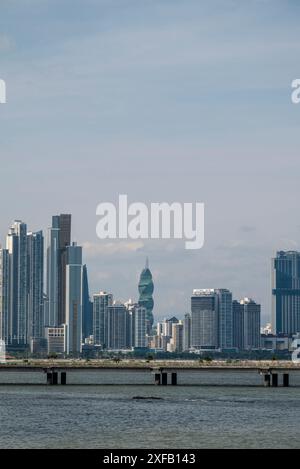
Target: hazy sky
<point>163,100</point>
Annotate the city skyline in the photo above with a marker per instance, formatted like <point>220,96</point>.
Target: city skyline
<point>65,240</point>
<point>129,97</point>
<point>143,284</point>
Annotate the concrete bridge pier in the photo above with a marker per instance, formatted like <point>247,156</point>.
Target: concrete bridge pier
<point>162,378</point>
<point>286,380</point>
<point>267,380</point>
<point>52,377</point>
<point>274,380</point>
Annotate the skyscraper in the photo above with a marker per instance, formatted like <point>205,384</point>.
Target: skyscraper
<point>118,327</point>
<point>51,307</point>
<point>211,323</point>
<point>146,288</point>
<point>246,324</point>
<point>204,327</point>
<point>64,242</point>
<point>139,327</point>
<point>87,307</point>
<point>176,343</point>
<point>101,302</point>
<point>16,244</point>
<point>4,296</point>
<point>73,308</point>
<point>187,332</point>
<point>238,325</point>
<point>224,306</point>
<point>35,246</point>
<point>59,238</point>
<point>251,324</point>
<point>286,292</point>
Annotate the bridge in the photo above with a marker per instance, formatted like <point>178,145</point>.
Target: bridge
<point>164,372</point>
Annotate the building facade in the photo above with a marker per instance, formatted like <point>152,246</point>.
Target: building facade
<point>73,308</point>
<point>286,293</point>
<point>4,296</point>
<point>146,288</point>
<point>101,303</point>
<point>16,243</point>
<point>119,325</point>
<point>35,285</point>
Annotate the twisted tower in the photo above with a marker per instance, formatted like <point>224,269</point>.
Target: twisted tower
<point>146,288</point>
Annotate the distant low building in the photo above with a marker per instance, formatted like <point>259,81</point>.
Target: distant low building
<point>276,343</point>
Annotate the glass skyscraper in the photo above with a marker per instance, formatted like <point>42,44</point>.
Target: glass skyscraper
<point>16,244</point>
<point>35,247</point>
<point>246,324</point>
<point>211,320</point>
<point>4,295</point>
<point>286,292</point>
<point>146,288</point>
<point>101,302</point>
<point>59,238</point>
<point>73,295</point>
<point>87,307</point>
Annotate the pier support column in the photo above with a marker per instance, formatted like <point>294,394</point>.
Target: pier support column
<point>63,378</point>
<point>54,377</point>
<point>267,380</point>
<point>164,379</point>
<point>274,380</point>
<point>157,379</point>
<point>286,380</point>
<point>49,378</point>
<point>174,379</point>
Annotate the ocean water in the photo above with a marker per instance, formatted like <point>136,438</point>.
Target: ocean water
<point>109,416</point>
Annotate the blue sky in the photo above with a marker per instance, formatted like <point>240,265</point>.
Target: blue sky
<point>164,101</point>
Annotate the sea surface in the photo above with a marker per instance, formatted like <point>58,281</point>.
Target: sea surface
<point>115,416</point>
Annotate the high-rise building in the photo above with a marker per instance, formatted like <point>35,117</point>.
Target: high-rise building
<point>4,296</point>
<point>139,327</point>
<point>211,319</point>
<point>225,320</point>
<point>286,293</point>
<point>74,273</point>
<point>52,285</point>
<point>204,327</point>
<point>59,238</point>
<point>64,242</point>
<point>101,302</point>
<point>118,327</point>
<point>251,324</point>
<point>238,325</point>
<point>176,343</point>
<point>187,332</point>
<point>246,324</point>
<point>35,248</point>
<point>16,244</point>
<point>146,288</point>
<point>87,307</point>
